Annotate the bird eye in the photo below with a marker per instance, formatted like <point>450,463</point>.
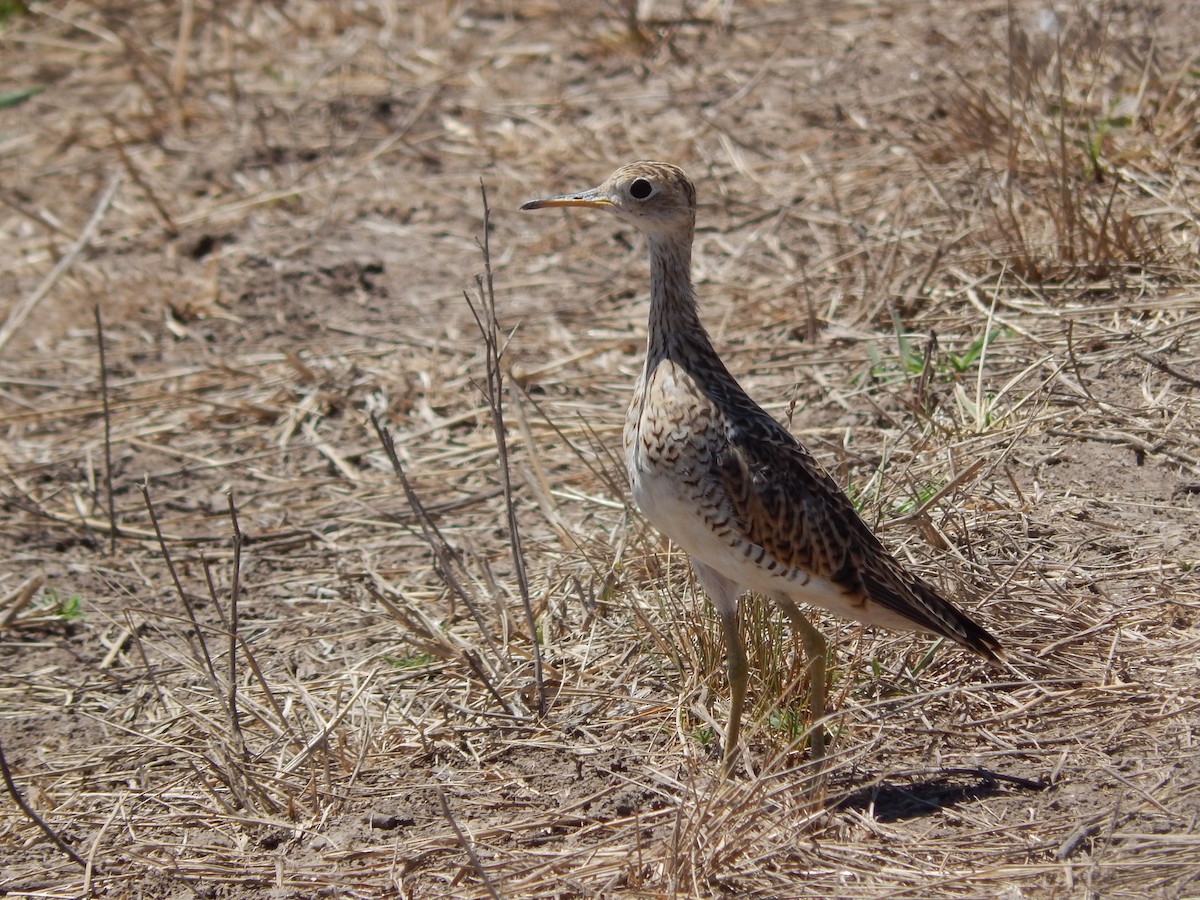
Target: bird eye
<point>640,189</point>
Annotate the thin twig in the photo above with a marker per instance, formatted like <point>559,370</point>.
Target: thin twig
<point>160,208</point>
<point>235,591</point>
<point>433,536</point>
<point>108,480</point>
<point>1071,843</point>
<point>16,600</point>
<point>33,816</point>
<point>183,44</point>
<point>32,215</point>
<point>465,843</point>
<point>1027,784</point>
<point>136,633</point>
<point>472,659</point>
<point>205,656</point>
<point>272,700</point>
<point>963,476</point>
<point>25,307</point>
<point>489,328</point>
<point>94,849</point>
<point>1159,363</point>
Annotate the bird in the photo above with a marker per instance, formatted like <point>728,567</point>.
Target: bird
<point>714,472</point>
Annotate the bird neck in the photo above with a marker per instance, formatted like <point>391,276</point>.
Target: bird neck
<point>675,330</point>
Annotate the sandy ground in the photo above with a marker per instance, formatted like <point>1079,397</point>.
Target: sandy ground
<point>951,245</point>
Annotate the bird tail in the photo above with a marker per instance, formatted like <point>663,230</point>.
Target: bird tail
<point>948,620</point>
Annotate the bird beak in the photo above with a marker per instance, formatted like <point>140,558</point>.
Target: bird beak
<point>591,198</point>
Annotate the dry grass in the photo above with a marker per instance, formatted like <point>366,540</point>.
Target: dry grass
<point>290,676</point>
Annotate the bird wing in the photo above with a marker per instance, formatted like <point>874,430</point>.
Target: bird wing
<point>786,503</point>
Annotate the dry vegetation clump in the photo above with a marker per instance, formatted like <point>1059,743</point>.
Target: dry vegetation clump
<point>247,652</point>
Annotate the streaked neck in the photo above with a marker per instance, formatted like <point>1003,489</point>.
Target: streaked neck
<point>675,329</point>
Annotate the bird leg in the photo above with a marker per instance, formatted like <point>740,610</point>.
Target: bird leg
<point>815,650</point>
<point>739,674</point>
<point>724,593</point>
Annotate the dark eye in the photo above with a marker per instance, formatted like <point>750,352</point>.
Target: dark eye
<point>640,189</point>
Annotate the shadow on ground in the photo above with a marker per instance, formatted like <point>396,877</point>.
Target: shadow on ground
<point>895,802</point>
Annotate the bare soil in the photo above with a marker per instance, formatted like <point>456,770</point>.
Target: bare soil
<point>952,244</point>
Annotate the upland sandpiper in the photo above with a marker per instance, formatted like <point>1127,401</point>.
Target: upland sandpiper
<point>730,485</point>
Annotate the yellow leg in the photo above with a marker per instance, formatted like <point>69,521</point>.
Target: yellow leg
<point>739,675</point>
<point>815,650</point>
<point>724,593</point>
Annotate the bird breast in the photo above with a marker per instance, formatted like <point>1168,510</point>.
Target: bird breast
<point>673,434</point>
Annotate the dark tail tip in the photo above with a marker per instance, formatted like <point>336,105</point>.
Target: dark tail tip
<point>981,641</point>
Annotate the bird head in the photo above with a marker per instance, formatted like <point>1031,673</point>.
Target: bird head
<point>654,196</point>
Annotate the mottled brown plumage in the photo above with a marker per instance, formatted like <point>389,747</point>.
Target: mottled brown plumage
<point>715,473</point>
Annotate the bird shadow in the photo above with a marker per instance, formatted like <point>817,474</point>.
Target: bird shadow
<point>889,802</point>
